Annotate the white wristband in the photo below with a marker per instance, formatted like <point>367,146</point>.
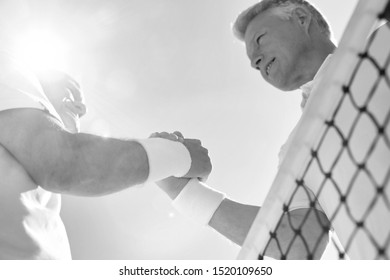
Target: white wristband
<point>166,158</point>
<point>198,201</point>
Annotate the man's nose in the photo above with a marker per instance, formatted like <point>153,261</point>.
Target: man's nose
<point>256,61</point>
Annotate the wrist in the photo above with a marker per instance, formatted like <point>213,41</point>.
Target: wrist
<point>166,158</point>
<point>172,186</point>
<point>198,201</point>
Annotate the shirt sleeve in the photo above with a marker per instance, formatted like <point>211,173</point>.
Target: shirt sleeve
<point>304,195</point>
<point>303,198</point>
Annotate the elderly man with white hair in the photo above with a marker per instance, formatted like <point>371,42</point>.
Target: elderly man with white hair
<point>289,43</point>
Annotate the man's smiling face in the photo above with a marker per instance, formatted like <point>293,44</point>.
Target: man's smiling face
<point>278,48</point>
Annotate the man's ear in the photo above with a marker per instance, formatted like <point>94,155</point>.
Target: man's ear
<point>303,17</point>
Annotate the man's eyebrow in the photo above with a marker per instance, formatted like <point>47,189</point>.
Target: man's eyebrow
<point>258,32</point>
<point>252,37</point>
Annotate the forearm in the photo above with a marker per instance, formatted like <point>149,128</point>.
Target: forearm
<point>172,186</point>
<point>234,220</point>
<point>62,162</point>
<point>231,219</point>
<point>93,165</point>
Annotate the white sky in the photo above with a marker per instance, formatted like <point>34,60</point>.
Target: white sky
<point>166,65</point>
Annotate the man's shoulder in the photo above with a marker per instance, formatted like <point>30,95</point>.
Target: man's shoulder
<point>12,98</point>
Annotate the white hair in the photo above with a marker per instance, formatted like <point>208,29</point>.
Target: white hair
<point>282,8</point>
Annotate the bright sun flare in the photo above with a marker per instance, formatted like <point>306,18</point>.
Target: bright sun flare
<point>41,49</point>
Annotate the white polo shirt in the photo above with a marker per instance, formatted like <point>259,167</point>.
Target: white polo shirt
<point>30,222</point>
<point>303,197</point>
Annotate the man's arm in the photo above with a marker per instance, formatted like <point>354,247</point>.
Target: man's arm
<point>234,220</point>
<point>80,164</point>
<point>60,161</point>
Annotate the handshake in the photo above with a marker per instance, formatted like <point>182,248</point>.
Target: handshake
<point>199,166</point>
<point>191,197</point>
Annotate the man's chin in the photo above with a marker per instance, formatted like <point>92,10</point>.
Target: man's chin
<point>286,86</point>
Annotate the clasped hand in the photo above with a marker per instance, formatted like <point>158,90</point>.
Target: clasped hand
<point>201,164</point>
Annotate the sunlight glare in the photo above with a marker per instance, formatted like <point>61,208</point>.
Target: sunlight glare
<point>41,49</point>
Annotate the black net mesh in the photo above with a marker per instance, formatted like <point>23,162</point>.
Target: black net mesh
<point>361,199</point>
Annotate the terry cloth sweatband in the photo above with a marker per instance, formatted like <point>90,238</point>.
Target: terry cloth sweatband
<point>166,158</point>
<point>198,201</point>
